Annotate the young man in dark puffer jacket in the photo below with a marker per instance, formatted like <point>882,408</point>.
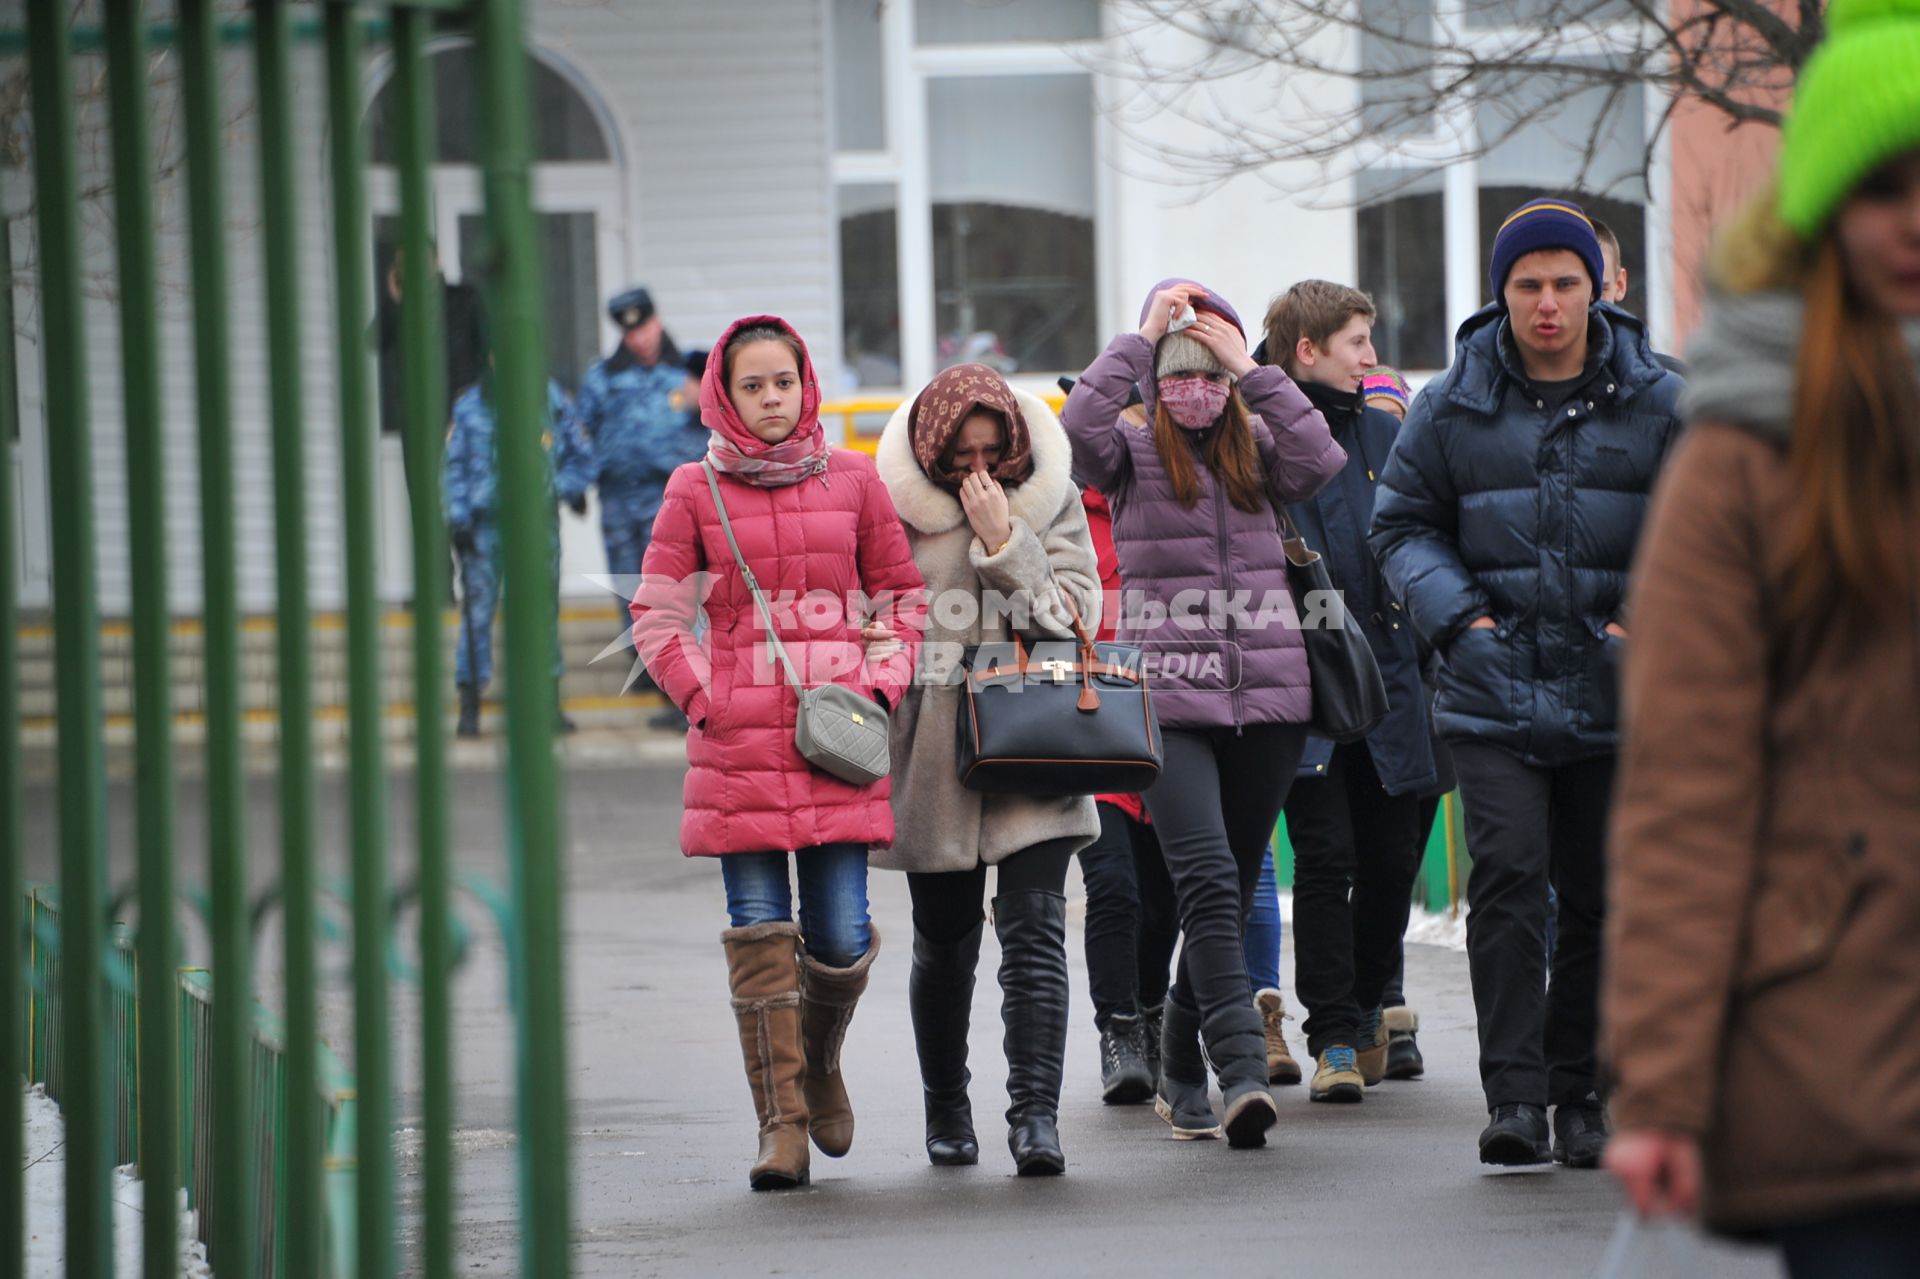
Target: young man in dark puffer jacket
<point>1506,522</point>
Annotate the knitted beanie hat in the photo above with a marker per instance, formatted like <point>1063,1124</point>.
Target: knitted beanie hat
<point>1548,223</point>
<point>1383,383</point>
<point>1857,105</point>
<point>1178,353</point>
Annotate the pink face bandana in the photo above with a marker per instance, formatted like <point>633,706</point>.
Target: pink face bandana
<point>1194,402</point>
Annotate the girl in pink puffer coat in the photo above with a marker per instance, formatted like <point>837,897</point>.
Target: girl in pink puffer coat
<point>820,533</point>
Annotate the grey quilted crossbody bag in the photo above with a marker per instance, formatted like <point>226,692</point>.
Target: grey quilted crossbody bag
<point>838,731</point>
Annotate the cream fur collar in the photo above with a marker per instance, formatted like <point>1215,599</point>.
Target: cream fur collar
<point>928,508</point>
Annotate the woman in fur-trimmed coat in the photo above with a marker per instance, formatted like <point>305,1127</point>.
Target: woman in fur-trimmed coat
<point>981,476</point>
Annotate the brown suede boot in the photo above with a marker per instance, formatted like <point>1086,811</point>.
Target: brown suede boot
<point>827,999</point>
<point>763,968</point>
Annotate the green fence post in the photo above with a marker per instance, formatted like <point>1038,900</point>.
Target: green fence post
<point>424,375</point>
<point>232,1198</point>
<point>83,800</point>
<point>520,401</point>
<point>13,977</point>
<point>372,1065</point>
<point>158,1132</point>
<point>280,215</point>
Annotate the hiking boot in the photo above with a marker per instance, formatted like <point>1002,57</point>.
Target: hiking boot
<point>1336,1076</point>
<point>1516,1136</point>
<point>1281,1067</point>
<point>1579,1135</point>
<point>1250,1112</point>
<point>1370,1052</point>
<point>1124,1077</point>
<point>1403,1050</point>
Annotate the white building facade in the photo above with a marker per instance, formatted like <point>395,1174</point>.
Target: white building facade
<point>910,182</point>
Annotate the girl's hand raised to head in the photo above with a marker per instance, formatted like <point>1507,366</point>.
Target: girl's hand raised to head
<point>1166,304</point>
<point>1223,339</point>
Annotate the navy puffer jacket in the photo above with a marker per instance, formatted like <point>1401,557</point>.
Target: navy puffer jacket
<point>1494,503</point>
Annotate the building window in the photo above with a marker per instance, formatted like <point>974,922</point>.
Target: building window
<point>870,284</point>
<point>564,127</point>
<point>1012,185</point>
<point>859,76</point>
<point>1005,21</point>
<point>1403,266</point>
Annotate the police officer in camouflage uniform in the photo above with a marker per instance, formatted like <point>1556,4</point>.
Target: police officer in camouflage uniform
<point>636,417</point>
<point>471,480</point>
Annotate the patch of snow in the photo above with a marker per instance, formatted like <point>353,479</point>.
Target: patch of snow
<point>46,1139</point>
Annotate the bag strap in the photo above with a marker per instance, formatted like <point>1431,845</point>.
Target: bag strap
<point>753,583</point>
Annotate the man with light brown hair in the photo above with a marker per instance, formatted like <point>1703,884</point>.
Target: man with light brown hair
<point>1353,812</point>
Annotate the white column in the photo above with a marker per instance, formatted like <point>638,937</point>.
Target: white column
<point>907,139</point>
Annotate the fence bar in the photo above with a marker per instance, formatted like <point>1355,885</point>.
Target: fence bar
<point>158,1133</point>
<point>367,825</point>
<point>424,375</point>
<point>83,799</point>
<point>14,1049</point>
<point>280,210</point>
<point>519,346</point>
<point>231,1203</point>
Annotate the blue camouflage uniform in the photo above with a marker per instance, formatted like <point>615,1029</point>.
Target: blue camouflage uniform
<point>639,425</point>
<point>471,481</point>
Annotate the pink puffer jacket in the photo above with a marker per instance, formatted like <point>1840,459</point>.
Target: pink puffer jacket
<point>813,546</point>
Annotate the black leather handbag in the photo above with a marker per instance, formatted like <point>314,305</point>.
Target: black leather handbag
<point>1059,717</point>
<point>1349,697</point>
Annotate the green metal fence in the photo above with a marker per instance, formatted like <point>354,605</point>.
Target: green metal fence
<point>266,1207</point>
<point>187,1007</point>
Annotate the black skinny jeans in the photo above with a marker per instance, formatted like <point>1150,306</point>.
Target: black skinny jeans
<point>1132,925</point>
<point>1395,995</point>
<point>947,904</point>
<point>1354,862</point>
<point>1529,826</point>
<point>1214,807</point>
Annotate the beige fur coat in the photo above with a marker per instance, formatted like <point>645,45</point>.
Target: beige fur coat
<point>939,825</point>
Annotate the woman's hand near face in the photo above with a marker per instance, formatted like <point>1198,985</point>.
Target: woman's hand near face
<point>1165,305</point>
<point>1224,340</point>
<point>985,503</point>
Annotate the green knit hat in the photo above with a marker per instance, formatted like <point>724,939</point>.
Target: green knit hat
<point>1857,105</point>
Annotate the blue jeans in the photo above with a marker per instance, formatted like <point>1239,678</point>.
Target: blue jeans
<point>833,897</point>
<point>1264,930</point>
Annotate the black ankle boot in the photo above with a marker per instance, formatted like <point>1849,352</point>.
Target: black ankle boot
<point>469,725</point>
<point>1182,1096</point>
<point>1033,1003</point>
<point>940,998</point>
<point>1125,1078</point>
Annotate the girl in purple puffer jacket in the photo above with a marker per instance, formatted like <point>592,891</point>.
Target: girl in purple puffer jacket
<point>1194,496</point>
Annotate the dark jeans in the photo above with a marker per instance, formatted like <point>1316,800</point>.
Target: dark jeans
<point>1131,922</point>
<point>1528,826</point>
<point>1875,1243</point>
<point>1395,995</point>
<point>1354,863</point>
<point>946,905</point>
<point>1214,807</point>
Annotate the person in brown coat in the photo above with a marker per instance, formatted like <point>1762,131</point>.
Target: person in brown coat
<point>1762,990</point>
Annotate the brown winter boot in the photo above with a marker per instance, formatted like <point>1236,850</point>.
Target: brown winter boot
<point>763,968</point>
<point>1281,1067</point>
<point>827,999</point>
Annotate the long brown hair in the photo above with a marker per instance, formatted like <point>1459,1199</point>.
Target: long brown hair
<point>1229,453</point>
<point>1855,454</point>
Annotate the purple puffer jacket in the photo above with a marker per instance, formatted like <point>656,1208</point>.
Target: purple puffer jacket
<point>1205,588</point>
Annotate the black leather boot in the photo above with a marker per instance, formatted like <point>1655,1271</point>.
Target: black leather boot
<point>940,998</point>
<point>1033,1003</point>
<point>469,725</point>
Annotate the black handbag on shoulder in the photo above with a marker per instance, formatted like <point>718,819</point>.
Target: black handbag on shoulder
<point>1349,697</point>
<point>1059,717</point>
